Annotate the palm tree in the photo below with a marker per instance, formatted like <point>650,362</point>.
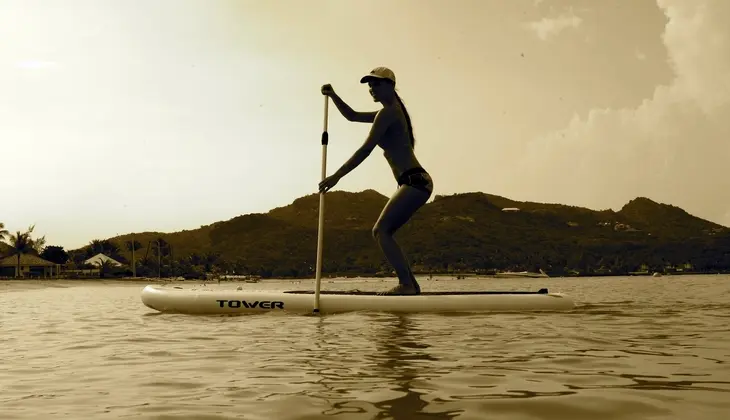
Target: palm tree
<point>3,232</point>
<point>106,267</point>
<point>39,243</point>
<point>96,246</point>
<point>133,245</point>
<point>21,243</point>
<point>4,247</point>
<point>159,252</point>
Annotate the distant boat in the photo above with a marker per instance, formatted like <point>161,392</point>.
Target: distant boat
<point>246,278</point>
<point>514,274</point>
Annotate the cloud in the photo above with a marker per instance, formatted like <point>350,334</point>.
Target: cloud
<point>673,148</point>
<point>547,27</point>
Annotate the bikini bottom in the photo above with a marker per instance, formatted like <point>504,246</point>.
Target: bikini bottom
<point>417,178</point>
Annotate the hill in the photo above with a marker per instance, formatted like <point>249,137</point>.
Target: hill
<point>666,219</point>
<point>468,231</point>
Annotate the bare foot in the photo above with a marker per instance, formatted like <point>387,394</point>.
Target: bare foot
<point>402,290</point>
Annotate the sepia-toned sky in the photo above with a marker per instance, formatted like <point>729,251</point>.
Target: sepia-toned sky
<point>138,115</point>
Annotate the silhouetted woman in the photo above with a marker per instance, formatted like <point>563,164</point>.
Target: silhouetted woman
<point>392,132</point>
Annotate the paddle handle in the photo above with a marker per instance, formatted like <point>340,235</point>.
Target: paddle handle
<point>320,227</point>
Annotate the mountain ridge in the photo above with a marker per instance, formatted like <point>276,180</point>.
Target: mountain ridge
<point>470,231</point>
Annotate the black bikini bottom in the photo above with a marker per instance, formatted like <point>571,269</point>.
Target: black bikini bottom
<point>417,178</point>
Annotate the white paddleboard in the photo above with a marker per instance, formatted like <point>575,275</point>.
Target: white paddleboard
<point>203,301</point>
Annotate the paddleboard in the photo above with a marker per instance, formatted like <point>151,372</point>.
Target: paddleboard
<point>204,301</point>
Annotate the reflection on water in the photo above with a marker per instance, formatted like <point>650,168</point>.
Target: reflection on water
<point>634,349</point>
<point>402,357</point>
<point>394,365</point>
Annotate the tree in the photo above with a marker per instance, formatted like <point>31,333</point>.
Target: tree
<point>21,243</point>
<point>3,232</point>
<point>161,249</point>
<point>3,235</point>
<point>106,267</point>
<point>133,246</point>
<point>96,246</point>
<point>55,254</point>
<point>38,243</point>
<point>106,247</point>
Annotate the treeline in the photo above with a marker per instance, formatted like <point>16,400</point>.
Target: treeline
<point>461,233</point>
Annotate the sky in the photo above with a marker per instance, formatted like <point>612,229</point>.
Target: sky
<point>132,116</point>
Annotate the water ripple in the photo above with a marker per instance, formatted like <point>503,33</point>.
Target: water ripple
<point>632,350</point>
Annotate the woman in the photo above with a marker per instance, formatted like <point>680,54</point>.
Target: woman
<point>392,132</point>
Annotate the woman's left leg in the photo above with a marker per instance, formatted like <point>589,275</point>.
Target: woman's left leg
<point>399,209</point>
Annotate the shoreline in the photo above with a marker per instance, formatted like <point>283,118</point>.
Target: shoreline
<point>30,284</point>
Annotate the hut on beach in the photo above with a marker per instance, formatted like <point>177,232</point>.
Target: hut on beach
<point>100,258</point>
<point>30,266</point>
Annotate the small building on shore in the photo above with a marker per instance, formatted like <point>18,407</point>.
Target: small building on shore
<point>30,266</point>
<point>100,258</point>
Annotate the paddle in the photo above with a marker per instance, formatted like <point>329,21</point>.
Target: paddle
<point>320,229</point>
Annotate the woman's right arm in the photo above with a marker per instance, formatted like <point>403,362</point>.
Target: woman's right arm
<point>347,112</point>
<point>350,114</point>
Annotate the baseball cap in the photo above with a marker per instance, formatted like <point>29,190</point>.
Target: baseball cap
<point>379,73</point>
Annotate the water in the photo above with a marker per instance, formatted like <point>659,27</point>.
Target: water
<point>635,348</point>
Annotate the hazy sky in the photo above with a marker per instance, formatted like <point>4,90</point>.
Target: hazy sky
<point>137,115</point>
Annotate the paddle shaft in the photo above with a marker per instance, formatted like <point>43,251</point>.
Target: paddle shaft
<point>320,228</point>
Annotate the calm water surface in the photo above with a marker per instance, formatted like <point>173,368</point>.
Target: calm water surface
<point>635,348</point>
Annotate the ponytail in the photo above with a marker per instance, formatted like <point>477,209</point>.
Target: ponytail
<point>408,119</point>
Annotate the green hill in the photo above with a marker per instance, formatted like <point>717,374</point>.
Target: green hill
<point>457,232</point>
<point>665,219</point>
